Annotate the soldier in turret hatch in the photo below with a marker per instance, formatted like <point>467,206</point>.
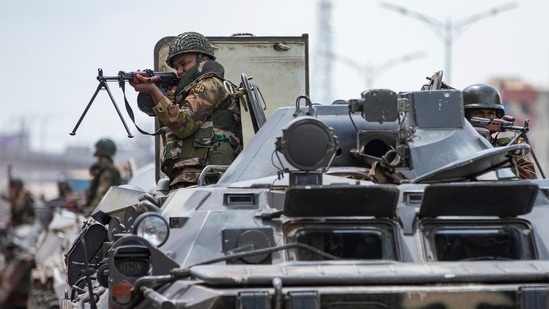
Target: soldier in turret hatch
<point>484,101</point>
<point>201,117</point>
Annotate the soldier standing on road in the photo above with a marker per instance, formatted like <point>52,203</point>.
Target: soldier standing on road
<point>66,198</point>
<point>22,203</point>
<point>201,117</point>
<point>104,174</point>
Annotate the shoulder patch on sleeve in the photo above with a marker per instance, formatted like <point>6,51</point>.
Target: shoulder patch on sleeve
<point>199,89</point>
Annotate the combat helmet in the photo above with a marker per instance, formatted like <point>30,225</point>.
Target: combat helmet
<point>482,96</point>
<point>190,42</point>
<point>105,147</point>
<point>16,182</point>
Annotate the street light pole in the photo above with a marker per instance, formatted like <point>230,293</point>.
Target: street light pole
<point>448,31</point>
<point>370,70</point>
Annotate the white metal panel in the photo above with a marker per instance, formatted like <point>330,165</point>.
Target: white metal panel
<point>278,65</point>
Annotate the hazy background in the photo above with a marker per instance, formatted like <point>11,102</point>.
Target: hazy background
<point>51,51</point>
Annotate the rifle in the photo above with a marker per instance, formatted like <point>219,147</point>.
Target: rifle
<point>507,123</point>
<point>164,80</point>
<point>499,125</point>
<point>10,172</point>
<point>10,178</point>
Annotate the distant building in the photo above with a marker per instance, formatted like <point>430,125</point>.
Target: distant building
<point>41,170</point>
<point>15,141</point>
<point>520,99</point>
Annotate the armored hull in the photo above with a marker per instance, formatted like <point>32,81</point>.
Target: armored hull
<point>387,201</point>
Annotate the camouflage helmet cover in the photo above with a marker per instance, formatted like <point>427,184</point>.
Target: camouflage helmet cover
<point>482,96</point>
<point>105,147</point>
<point>190,42</point>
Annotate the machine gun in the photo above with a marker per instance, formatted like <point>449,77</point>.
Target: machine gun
<point>163,80</point>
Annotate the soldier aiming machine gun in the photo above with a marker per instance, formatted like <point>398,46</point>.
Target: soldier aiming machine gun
<point>247,92</point>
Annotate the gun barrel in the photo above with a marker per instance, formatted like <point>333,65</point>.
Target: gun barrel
<point>121,77</point>
<point>163,79</point>
<point>515,128</point>
<point>111,78</point>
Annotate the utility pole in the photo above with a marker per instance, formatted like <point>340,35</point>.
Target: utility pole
<point>324,63</point>
<point>369,71</point>
<point>448,31</point>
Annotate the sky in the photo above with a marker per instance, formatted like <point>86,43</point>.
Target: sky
<point>51,51</point>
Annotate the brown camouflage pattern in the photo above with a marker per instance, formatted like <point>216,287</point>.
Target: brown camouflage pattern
<point>525,168</point>
<point>104,176</point>
<point>204,117</point>
<point>22,209</point>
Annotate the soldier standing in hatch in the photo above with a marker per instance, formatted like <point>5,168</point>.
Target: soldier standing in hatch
<point>104,174</point>
<point>484,101</point>
<point>202,118</point>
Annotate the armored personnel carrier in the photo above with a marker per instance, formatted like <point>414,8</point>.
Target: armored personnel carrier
<point>386,200</point>
<point>389,199</point>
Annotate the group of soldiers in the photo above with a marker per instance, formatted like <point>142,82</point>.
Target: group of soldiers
<point>104,174</point>
<point>480,100</point>
<point>16,261</point>
<point>203,126</point>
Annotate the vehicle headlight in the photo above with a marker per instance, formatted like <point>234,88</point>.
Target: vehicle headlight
<point>152,227</point>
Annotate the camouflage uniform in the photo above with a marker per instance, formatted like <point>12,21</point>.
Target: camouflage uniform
<point>525,168</point>
<point>105,175</point>
<point>203,126</point>
<point>22,210</point>
<point>484,96</point>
